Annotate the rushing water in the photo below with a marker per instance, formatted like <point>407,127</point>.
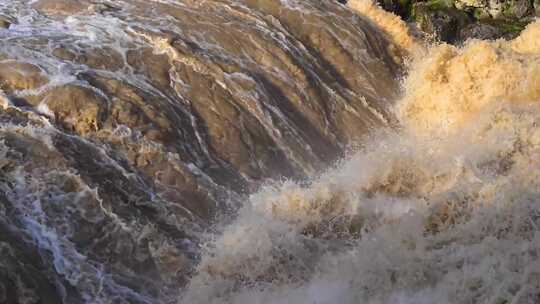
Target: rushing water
<point>185,152</point>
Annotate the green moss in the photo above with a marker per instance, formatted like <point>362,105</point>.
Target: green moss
<point>514,27</point>
<point>507,26</point>
<point>508,8</point>
<point>440,4</point>
<point>445,20</point>
<point>481,14</point>
<point>431,5</point>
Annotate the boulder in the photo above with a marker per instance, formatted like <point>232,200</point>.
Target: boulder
<point>97,58</point>
<point>61,7</point>
<point>480,31</point>
<point>399,7</point>
<point>17,75</point>
<point>76,108</point>
<point>516,9</point>
<point>496,9</point>
<point>440,19</point>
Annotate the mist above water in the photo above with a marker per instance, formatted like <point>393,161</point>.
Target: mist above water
<point>443,210</point>
<point>194,152</point>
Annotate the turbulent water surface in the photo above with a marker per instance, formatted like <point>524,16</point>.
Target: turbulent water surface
<point>173,151</point>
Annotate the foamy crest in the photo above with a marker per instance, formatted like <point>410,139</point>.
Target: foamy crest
<point>445,211</point>
<point>393,26</point>
<point>452,86</point>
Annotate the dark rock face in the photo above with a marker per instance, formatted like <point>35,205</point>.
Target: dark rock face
<point>61,7</point>
<point>497,9</point>
<point>455,21</point>
<point>125,127</point>
<point>439,20</point>
<point>399,7</point>
<point>480,31</point>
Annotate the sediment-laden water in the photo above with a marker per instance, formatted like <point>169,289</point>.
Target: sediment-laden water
<point>263,152</point>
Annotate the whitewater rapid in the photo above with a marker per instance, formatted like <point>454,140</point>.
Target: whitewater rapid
<point>446,209</point>
<point>130,129</point>
<point>257,152</point>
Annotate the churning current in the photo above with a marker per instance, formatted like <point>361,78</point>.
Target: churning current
<point>250,151</point>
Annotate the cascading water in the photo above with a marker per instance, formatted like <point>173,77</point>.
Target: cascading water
<point>172,152</point>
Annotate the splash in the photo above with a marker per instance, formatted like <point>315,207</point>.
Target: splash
<point>404,43</point>
<point>129,127</point>
<point>446,210</point>
<point>454,85</point>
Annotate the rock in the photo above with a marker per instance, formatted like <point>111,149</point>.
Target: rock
<point>5,22</point>
<point>492,29</point>
<point>399,7</point>
<point>133,108</point>
<point>170,121</point>
<point>74,107</point>
<point>16,75</point>
<point>97,58</point>
<point>516,9</point>
<point>456,21</point>
<point>496,9</point>
<point>23,275</point>
<point>154,66</point>
<point>480,31</point>
<point>468,4</point>
<point>440,19</point>
<point>102,8</point>
<point>61,7</point>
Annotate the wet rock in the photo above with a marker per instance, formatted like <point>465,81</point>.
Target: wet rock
<point>480,31</point>
<point>456,21</point>
<point>22,279</point>
<point>492,29</point>
<point>5,22</point>
<point>496,9</point>
<point>16,75</point>
<point>76,108</point>
<point>399,7</point>
<point>133,108</point>
<point>470,4</point>
<point>154,66</point>
<point>102,8</point>
<point>88,224</point>
<point>518,9</point>
<point>510,10</point>
<point>440,20</point>
<point>61,7</point>
<point>96,58</point>
<point>168,120</point>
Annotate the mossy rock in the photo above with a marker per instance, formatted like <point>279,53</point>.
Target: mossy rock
<point>492,29</point>
<point>440,19</point>
<point>455,21</point>
<point>516,9</point>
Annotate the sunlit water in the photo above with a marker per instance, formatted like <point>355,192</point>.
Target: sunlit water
<point>437,200</point>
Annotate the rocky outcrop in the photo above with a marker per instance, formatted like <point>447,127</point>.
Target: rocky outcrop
<point>439,19</point>
<point>497,9</point>
<point>18,75</point>
<point>61,7</point>
<point>455,21</point>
